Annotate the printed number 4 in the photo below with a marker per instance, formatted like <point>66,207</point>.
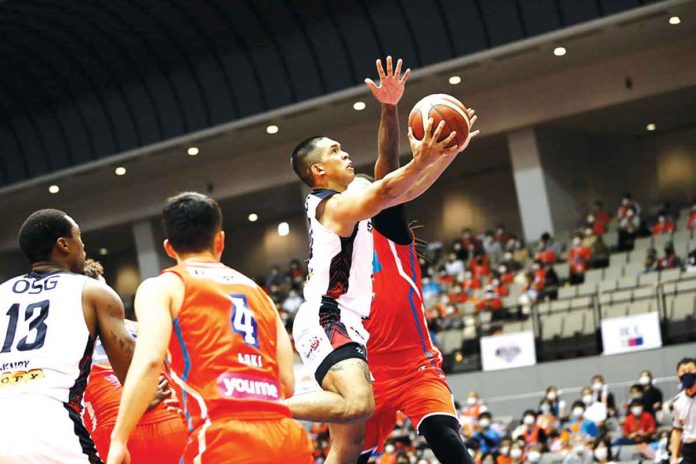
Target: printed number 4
<point>243,321</point>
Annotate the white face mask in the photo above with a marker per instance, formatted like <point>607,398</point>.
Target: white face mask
<point>645,380</point>
<point>484,423</point>
<point>515,453</point>
<point>389,448</point>
<point>577,412</point>
<point>576,242</point>
<point>663,442</point>
<point>551,396</point>
<point>471,401</point>
<point>504,450</point>
<point>533,456</point>
<point>587,399</point>
<point>601,453</point>
<point>597,386</point>
<point>529,420</point>
<point>636,410</point>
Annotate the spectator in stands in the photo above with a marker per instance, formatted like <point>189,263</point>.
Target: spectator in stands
<point>517,452</point>
<point>629,225</point>
<point>548,250</point>
<point>491,301</point>
<point>650,262</point>
<point>474,405</point>
<point>602,450</point>
<point>691,261</point>
<point>639,426</point>
<point>691,221</point>
<point>601,393</point>
<point>470,282</point>
<point>661,447</point>
<point>530,430</point>
<point>627,203</point>
<point>491,246</point>
<point>579,257</point>
<point>635,392</point>
<point>670,260</point>
<point>600,218</point>
<point>595,410</point>
<point>652,396</point>
<point>487,437</point>
<point>505,275</point>
<point>534,453</point>
<point>292,302</point>
<point>598,249</point>
<point>504,452</point>
<point>274,278</point>
<point>469,241</point>
<point>431,290</point>
<point>546,419</point>
<point>578,424</point>
<point>558,405</point>
<point>457,295</point>
<point>664,225</point>
<point>501,235</point>
<point>520,254</point>
<point>296,273</point>
<point>454,267</point>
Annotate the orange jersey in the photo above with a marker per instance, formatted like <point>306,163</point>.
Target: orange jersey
<point>222,352</point>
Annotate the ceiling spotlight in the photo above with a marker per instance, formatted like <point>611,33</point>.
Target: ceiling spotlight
<point>454,80</point>
<point>283,229</point>
<point>674,20</point>
<point>120,171</point>
<point>272,129</point>
<point>650,127</point>
<point>253,217</point>
<point>192,151</point>
<point>103,251</point>
<point>559,51</point>
<point>54,189</point>
<point>359,106</point>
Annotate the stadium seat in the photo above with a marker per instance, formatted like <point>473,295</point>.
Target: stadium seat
<point>552,325</point>
<point>560,305</point>
<point>641,307</point>
<point>686,286</point>
<point>610,311</point>
<point>562,270</point>
<point>669,288</point>
<point>581,302</point>
<point>604,299</point>
<point>569,291</point>
<point>651,278</point>
<point>587,289</point>
<point>642,244</point>
<point>612,273</point>
<point>544,307</point>
<point>608,285</point>
<point>622,296</point>
<point>627,282</point>
<point>633,269</point>
<point>618,259</point>
<point>682,306</point>
<point>450,340</point>
<point>669,275</point>
<point>512,327</point>
<point>573,324</point>
<point>593,276</point>
<point>643,293</point>
<point>660,241</point>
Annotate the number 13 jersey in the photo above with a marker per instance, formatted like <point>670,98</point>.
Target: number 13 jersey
<point>45,346</point>
<point>222,352</point>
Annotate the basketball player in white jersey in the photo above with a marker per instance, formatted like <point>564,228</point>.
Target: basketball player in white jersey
<point>328,331</point>
<point>49,320</point>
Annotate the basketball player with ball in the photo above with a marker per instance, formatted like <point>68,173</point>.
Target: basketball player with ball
<point>328,330</point>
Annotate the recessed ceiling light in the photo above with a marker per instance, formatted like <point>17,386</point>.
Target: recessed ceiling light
<point>559,51</point>
<point>272,129</point>
<point>103,251</point>
<point>120,171</point>
<point>359,105</point>
<point>674,20</point>
<point>253,217</point>
<point>54,189</point>
<point>454,80</point>
<point>283,229</point>
<point>192,151</point>
<point>651,127</point>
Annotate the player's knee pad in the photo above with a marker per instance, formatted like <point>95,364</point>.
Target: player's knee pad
<point>442,434</point>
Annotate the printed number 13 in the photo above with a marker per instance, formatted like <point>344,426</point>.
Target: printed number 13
<point>243,321</point>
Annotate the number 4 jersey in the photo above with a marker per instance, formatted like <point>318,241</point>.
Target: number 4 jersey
<point>222,352</point>
<point>45,343</point>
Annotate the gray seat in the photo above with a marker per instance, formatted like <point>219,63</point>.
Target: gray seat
<point>659,241</point>
<point>686,286</point>
<point>560,305</point>
<point>544,307</point>
<point>593,276</point>
<point>569,291</point>
<point>552,325</point>
<point>618,259</point>
<point>562,270</point>
<point>581,302</point>
<point>627,282</point>
<point>574,323</point>
<point>642,244</point>
<point>682,306</point>
<point>607,286</point>
<point>651,278</point>
<point>641,307</point>
<point>633,269</point>
<point>587,289</point>
<point>619,310</point>
<point>511,327</point>
<point>643,293</point>
<point>613,273</point>
<point>669,275</point>
<point>621,296</point>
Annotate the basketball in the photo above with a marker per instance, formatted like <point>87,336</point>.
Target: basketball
<point>440,106</point>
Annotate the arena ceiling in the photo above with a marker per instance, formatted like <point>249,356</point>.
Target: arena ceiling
<point>81,81</point>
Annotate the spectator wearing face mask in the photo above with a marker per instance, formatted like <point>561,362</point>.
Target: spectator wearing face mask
<point>454,267</point>
<point>517,452</point>
<point>492,248</point>
<point>652,396</point>
<point>480,268</point>
<point>529,430</point>
<point>580,453</point>
<point>501,235</point>
<point>547,249</point>
<point>659,449</point>
<point>598,249</point>
<point>683,440</point>
<point>457,295</point>
<point>639,425</point>
<point>601,393</point>
<point>578,425</point>
<point>670,260</point>
<point>546,419</point>
<point>579,258</point>
<point>487,437</point>
<point>650,262</point>
<point>505,275</point>
<point>629,225</point>
<point>519,252</point>
<point>596,227</point>
<point>600,216</point>
<point>627,203</point>
<point>558,405</point>
<point>664,225</point>
<point>691,221</point>
<point>602,451</point>
<point>595,410</point>
<point>691,261</point>
<point>534,454</point>
<point>504,452</point>
<point>473,408</point>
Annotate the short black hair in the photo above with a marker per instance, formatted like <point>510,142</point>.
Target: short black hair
<point>190,221</point>
<point>578,404</point>
<point>301,159</point>
<point>684,361</point>
<point>39,233</point>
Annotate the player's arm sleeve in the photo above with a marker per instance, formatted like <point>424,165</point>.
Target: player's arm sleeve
<point>387,142</point>
<point>117,341</point>
<point>392,224</point>
<point>285,358</point>
<point>153,307</point>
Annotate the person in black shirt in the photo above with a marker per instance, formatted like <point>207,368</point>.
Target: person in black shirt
<point>652,396</point>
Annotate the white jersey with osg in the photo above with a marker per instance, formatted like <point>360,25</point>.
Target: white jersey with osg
<point>340,268</point>
<point>45,346</point>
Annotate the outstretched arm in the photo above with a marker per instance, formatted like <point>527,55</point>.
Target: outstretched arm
<point>388,93</point>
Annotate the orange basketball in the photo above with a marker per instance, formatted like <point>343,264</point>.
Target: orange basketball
<point>440,106</point>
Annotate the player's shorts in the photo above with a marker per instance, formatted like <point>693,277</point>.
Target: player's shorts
<point>36,429</point>
<point>161,442</point>
<point>250,442</point>
<point>325,335</point>
<point>418,394</point>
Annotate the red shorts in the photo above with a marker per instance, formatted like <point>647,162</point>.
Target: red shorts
<point>161,442</point>
<point>418,394</point>
<point>246,442</point>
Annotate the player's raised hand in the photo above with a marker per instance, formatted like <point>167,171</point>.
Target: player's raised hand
<point>432,146</point>
<point>118,453</point>
<point>391,83</point>
<point>472,120</point>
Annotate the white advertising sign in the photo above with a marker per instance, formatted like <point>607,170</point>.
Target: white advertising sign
<point>631,333</point>
<point>509,350</point>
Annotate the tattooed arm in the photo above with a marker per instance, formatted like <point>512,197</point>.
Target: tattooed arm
<point>107,309</point>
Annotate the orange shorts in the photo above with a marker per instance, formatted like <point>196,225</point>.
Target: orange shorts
<point>418,394</point>
<point>246,442</point>
<point>161,442</point>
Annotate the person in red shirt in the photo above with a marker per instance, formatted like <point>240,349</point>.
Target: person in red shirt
<point>578,259</point>
<point>600,218</point>
<point>664,225</point>
<point>506,277</point>
<point>691,222</point>
<point>501,235</point>
<point>670,260</point>
<point>639,426</point>
<point>547,249</point>
<point>479,265</point>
